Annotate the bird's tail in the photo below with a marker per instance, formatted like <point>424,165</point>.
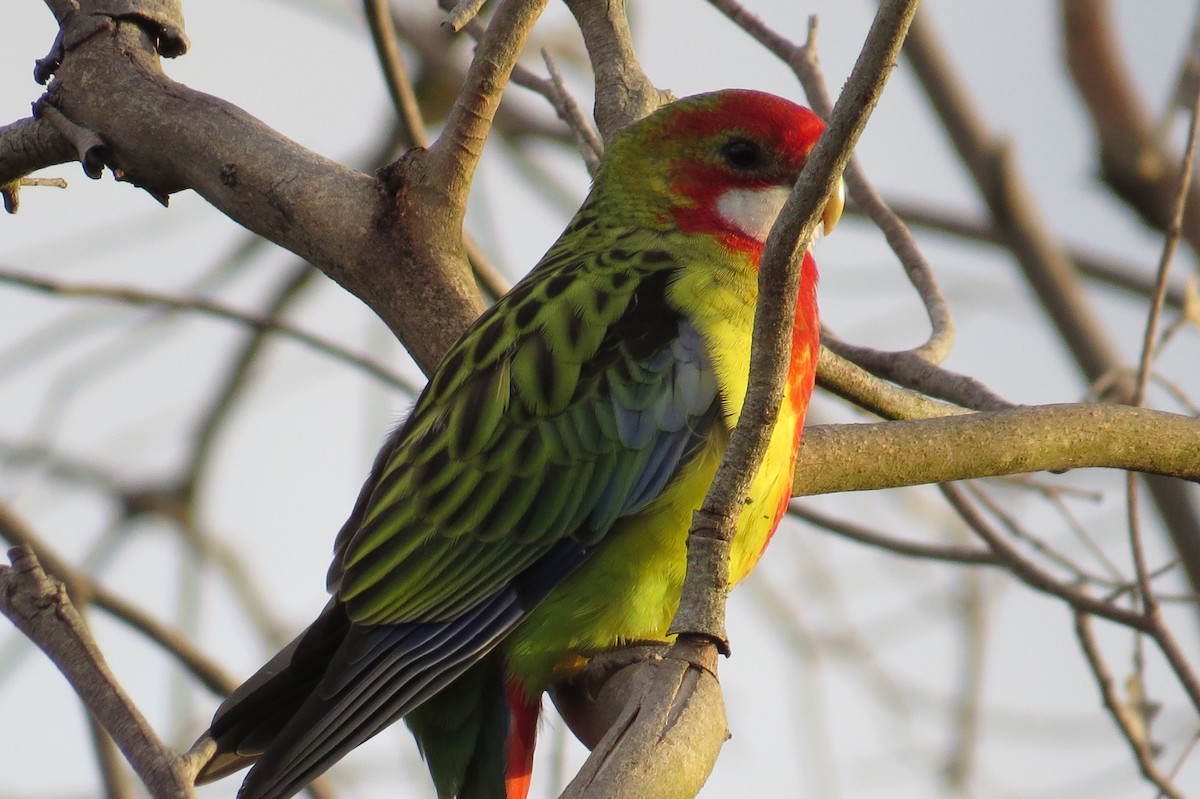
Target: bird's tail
<point>253,715</point>
<point>477,735</point>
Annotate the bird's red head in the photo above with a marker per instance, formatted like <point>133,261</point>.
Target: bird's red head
<point>725,162</point>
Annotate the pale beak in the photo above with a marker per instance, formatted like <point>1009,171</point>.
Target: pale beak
<point>833,208</point>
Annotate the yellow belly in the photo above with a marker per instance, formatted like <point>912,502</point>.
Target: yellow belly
<point>629,590</point>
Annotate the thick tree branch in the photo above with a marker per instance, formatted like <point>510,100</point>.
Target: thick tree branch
<point>166,137</point>
<point>664,740</point>
<point>28,145</point>
<point>1027,439</point>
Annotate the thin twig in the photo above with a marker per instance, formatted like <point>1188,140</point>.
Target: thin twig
<point>1170,244</point>
<point>972,556</point>
<point>462,13</point>
<point>395,72</point>
<point>1091,264</point>
<point>803,61</point>
<point>140,297</point>
<point>1010,523</point>
<point>963,753</point>
<point>10,192</point>
<point>1033,575</point>
<point>1130,726</point>
<point>1160,631</point>
<point>588,142</point>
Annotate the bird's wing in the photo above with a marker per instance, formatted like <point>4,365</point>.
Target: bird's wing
<point>569,405</point>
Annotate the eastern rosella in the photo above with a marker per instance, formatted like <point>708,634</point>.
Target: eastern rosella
<point>533,509</point>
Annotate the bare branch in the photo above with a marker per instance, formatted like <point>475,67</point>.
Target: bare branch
<point>11,192</point>
<point>38,605</point>
<point>1133,732</point>
<point>803,61</point>
<point>971,556</point>
<point>590,147</point>
<point>1033,575</point>
<point>912,370</point>
<point>455,154</point>
<point>1046,269</point>
<point>139,297</point>
<point>992,443</point>
<point>31,144</point>
<point>1133,158</point>
<point>779,279</point>
<point>165,137</point>
<point>662,742</point>
<point>1170,243</point>
<point>462,13</point>
<point>1013,211</point>
<point>112,767</point>
<point>395,72</point>
<point>623,92</point>
<point>84,591</point>
<point>854,384</point>
<point>1090,263</point>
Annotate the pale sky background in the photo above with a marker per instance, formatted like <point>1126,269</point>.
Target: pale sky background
<point>806,722</point>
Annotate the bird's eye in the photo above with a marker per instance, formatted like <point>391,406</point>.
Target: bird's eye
<point>742,154</point>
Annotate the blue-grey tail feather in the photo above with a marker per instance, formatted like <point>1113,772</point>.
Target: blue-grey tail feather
<point>376,676</point>
<point>340,683</point>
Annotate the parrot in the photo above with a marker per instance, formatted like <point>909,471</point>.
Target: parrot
<point>532,511</point>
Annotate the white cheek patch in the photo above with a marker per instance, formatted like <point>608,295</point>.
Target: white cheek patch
<point>753,211</point>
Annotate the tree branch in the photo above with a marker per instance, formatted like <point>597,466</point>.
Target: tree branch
<point>1045,267</point>
<point>455,154</point>
<point>803,62</point>
<point>262,324</point>
<point>1133,159</point>
<point>38,605</point>
<point>85,591</point>
<point>987,444</point>
<point>624,93</point>
<point>31,144</point>
<point>1134,732</point>
<point>699,621</point>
